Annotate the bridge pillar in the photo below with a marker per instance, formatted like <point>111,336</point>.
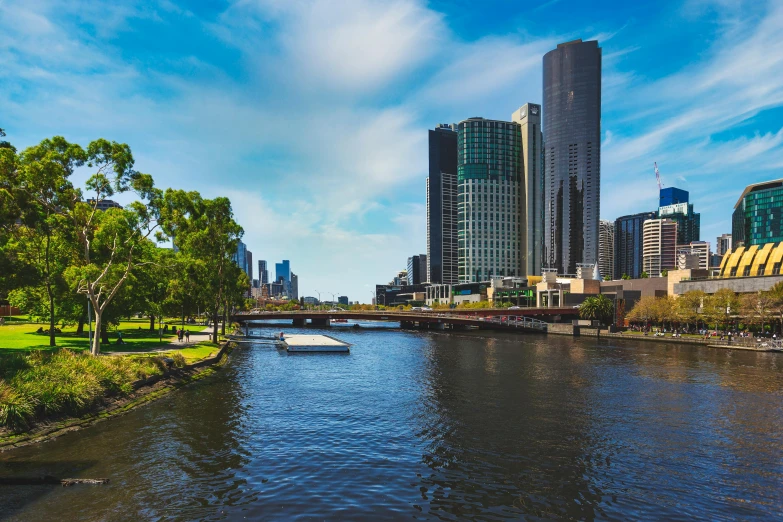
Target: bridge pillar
<point>299,321</point>
<point>320,321</point>
<point>408,325</point>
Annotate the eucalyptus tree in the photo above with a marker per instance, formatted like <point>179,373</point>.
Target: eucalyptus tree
<point>204,230</point>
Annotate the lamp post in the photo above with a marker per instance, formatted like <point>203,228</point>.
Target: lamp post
<point>332,294</point>
<point>319,298</point>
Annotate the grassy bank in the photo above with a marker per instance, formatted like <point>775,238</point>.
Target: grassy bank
<point>135,333</point>
<point>40,384</point>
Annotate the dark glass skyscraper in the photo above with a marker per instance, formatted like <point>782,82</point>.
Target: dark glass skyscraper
<point>629,243</point>
<point>442,258</point>
<point>572,154</point>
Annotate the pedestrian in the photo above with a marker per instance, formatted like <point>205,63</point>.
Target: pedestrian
<point>179,335</point>
<point>187,336</point>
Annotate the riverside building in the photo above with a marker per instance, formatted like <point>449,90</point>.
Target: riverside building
<point>606,248</point>
<point>757,216</point>
<point>442,246</point>
<point>660,246</point>
<point>529,118</point>
<point>572,154</point>
<point>629,244</point>
<point>489,199</point>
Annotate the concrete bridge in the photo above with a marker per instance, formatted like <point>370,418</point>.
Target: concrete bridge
<point>525,319</point>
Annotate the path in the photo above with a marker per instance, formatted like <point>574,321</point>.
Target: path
<point>174,344</point>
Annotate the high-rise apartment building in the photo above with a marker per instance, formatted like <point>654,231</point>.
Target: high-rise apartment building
<point>442,245</point>
<point>758,215</point>
<point>723,244</point>
<point>606,248</point>
<point>249,263</point>
<point>694,256</point>
<point>489,199</point>
<point>628,244</point>
<point>660,246</point>
<point>417,269</point>
<point>263,273</point>
<point>529,118</point>
<point>572,154</point>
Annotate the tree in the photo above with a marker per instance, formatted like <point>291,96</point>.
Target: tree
<point>720,306</point>
<point>757,308</point>
<point>206,230</point>
<point>111,240</point>
<point>665,310</point>
<point>644,275</point>
<point>644,311</point>
<point>776,295</point>
<point>689,305</point>
<point>607,278</point>
<point>664,273</point>
<point>625,277</point>
<point>46,196</point>
<point>598,308</point>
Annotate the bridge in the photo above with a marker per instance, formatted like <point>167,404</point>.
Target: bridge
<point>524,319</point>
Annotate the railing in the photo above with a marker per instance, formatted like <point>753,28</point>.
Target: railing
<point>518,322</point>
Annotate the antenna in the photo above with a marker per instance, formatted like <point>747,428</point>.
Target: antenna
<point>658,176</point>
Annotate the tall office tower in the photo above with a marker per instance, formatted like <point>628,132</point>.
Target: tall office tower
<point>294,286</point>
<point>660,246</point>
<point>572,154</point>
<point>529,118</point>
<point>606,248</point>
<point>628,244</point>
<point>249,264</point>
<point>489,199</point>
<point>758,215</point>
<point>723,244</point>
<point>263,273</point>
<point>283,270</point>
<point>680,210</point>
<point>417,269</point>
<point>442,255</point>
<point>240,257</point>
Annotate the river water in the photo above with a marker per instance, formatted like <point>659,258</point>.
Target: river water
<point>435,426</point>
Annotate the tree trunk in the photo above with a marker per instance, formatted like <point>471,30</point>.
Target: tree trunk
<point>52,340</point>
<point>225,318</point>
<point>152,323</point>
<point>80,327</point>
<point>104,334</point>
<point>96,338</point>
<point>215,326</point>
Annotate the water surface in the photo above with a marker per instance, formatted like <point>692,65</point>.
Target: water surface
<point>435,426</point>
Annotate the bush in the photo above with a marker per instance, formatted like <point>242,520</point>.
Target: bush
<point>63,382</point>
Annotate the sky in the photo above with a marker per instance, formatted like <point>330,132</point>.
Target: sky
<point>312,115</point>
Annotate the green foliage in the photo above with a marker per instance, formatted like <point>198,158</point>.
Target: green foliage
<point>644,275</point>
<point>597,308</point>
<point>626,277</point>
<point>64,382</point>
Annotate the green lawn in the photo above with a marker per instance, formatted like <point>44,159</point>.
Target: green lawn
<point>135,333</point>
<point>199,351</point>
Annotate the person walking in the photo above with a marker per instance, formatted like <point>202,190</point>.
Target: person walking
<point>187,336</point>
<point>179,335</point>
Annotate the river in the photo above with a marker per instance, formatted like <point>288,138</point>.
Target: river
<point>435,426</point>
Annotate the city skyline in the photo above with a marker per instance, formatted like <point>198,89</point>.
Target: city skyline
<point>361,194</point>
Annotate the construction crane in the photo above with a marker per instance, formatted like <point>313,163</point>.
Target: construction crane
<point>658,176</point>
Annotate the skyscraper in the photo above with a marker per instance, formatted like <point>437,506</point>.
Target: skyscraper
<point>572,154</point>
<point>606,248</point>
<point>723,244</point>
<point>442,260</point>
<point>678,209</point>
<point>660,246</point>
<point>263,273</point>
<point>294,286</point>
<point>489,194</point>
<point>240,256</point>
<point>417,269</point>
<point>529,118</point>
<point>249,263</point>
<point>629,243</point>
<point>758,215</point>
<point>283,270</point>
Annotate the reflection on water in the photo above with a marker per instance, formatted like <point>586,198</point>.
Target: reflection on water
<point>436,426</point>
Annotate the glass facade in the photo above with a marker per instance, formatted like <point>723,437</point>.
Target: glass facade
<point>688,221</point>
<point>442,255</point>
<point>629,241</point>
<point>572,154</point>
<point>757,216</point>
<point>489,199</point>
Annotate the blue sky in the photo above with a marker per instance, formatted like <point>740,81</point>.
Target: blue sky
<point>312,116</point>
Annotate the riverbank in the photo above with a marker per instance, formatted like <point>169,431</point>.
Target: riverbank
<point>140,392</point>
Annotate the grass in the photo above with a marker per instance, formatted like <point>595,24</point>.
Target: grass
<point>42,384</point>
<point>135,333</point>
<point>194,353</point>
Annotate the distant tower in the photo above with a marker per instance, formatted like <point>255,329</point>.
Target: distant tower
<point>529,118</point>
<point>572,154</point>
<point>606,248</point>
<point>442,255</point>
<point>263,273</point>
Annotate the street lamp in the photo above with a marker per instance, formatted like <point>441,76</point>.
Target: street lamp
<point>332,294</point>
<point>319,298</point>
